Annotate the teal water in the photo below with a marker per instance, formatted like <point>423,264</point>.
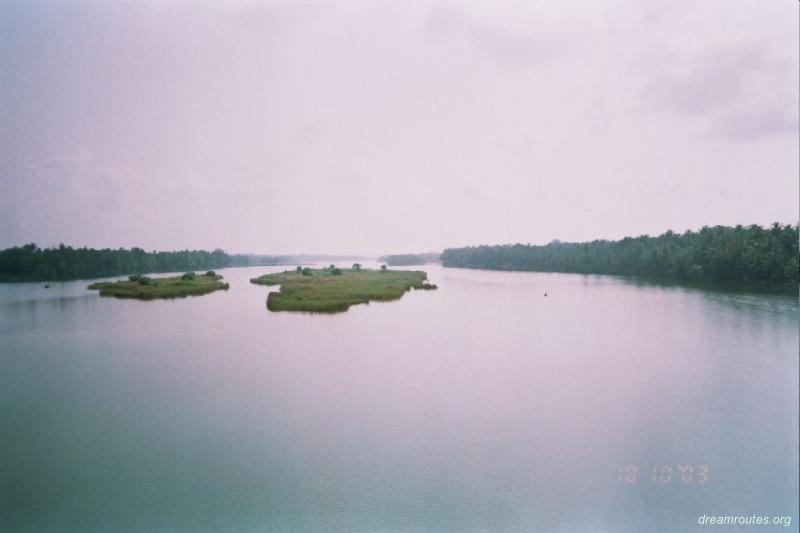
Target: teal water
<point>482,406</point>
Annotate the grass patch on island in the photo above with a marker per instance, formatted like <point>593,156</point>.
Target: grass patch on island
<point>146,288</point>
<point>332,290</point>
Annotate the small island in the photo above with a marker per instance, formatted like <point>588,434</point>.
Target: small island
<point>332,290</point>
<point>146,288</point>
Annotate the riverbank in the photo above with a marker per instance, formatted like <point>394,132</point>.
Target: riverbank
<point>753,257</point>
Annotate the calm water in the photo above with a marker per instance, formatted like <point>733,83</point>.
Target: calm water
<point>482,406</point>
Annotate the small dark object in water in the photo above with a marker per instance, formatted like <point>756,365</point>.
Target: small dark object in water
<point>545,294</point>
<point>47,286</point>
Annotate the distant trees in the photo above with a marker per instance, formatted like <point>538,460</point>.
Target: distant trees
<point>751,254</point>
<point>31,263</point>
<point>410,259</point>
<point>356,266</point>
<point>239,260</point>
<point>383,268</point>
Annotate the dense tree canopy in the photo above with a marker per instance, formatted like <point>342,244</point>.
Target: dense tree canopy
<point>31,263</point>
<point>751,254</point>
<point>409,259</point>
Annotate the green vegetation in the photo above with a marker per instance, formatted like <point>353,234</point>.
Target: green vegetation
<point>330,290</point>
<point>142,280</point>
<point>31,263</point>
<point>62,263</point>
<point>749,255</point>
<point>145,288</point>
<point>409,259</point>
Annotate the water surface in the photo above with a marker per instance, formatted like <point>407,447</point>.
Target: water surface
<point>482,406</point>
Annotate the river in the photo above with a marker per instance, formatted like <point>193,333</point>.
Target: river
<point>607,405</point>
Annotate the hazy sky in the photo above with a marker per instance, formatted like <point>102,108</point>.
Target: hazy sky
<point>372,127</point>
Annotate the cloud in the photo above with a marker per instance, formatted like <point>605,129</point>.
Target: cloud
<point>75,180</point>
<point>360,127</point>
<point>742,92</point>
<point>752,124</point>
<point>497,32</point>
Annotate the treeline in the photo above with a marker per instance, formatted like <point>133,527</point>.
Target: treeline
<point>723,254</point>
<point>242,260</point>
<point>31,263</point>
<point>409,259</point>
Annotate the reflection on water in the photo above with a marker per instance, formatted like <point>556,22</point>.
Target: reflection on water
<point>480,406</point>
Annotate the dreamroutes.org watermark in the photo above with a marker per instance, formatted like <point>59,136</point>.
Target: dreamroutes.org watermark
<point>753,520</point>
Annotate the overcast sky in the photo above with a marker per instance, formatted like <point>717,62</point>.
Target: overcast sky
<point>372,127</point>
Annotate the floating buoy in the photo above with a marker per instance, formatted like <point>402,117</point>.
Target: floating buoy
<point>47,286</point>
<point>545,295</point>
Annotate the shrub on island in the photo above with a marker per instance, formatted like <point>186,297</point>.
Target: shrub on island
<point>145,288</point>
<point>335,290</point>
